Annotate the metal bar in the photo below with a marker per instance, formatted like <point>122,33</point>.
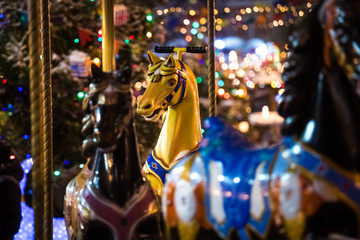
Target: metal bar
<point>47,119</point>
<point>211,57</point>
<point>108,44</point>
<point>36,116</point>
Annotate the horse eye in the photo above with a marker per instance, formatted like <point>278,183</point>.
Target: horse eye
<point>171,83</point>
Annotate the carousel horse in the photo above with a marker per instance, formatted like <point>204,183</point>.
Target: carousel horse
<point>171,86</point>
<point>113,200</point>
<point>307,186</point>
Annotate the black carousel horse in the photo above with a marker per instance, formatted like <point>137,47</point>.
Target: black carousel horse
<point>307,187</point>
<point>110,198</point>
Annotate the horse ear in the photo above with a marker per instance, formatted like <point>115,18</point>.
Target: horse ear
<point>96,72</point>
<point>153,59</point>
<point>170,61</point>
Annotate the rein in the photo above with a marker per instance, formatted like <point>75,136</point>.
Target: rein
<point>182,81</point>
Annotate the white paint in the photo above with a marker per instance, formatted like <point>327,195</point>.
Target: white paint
<point>185,201</point>
<point>290,195</point>
<point>257,204</point>
<point>216,198</point>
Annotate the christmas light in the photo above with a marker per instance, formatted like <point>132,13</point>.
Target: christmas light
<point>57,173</point>
<point>188,38</point>
<point>132,37</point>
<point>20,89</point>
<point>4,81</point>
<point>26,136</point>
<point>221,83</point>
<point>193,31</point>
<point>195,24</point>
<point>198,79</point>
<point>149,17</point>
<point>137,86</point>
<point>26,230</point>
<point>186,21</point>
<point>12,157</point>
<point>81,165</point>
<point>227,95</point>
<point>217,75</point>
<point>127,41</point>
<point>277,98</point>
<point>80,95</point>
<point>99,39</point>
<point>96,61</point>
<point>28,155</point>
<point>221,91</point>
<point>149,34</point>
<point>76,40</point>
<point>66,162</point>
<point>244,126</point>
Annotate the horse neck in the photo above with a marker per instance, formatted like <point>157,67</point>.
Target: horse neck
<point>117,172</point>
<point>334,130</point>
<point>181,131</point>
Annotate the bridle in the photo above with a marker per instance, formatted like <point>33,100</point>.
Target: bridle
<point>181,81</point>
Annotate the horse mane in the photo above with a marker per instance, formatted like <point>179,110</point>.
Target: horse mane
<point>320,81</point>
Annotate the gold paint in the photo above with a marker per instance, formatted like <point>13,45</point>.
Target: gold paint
<point>294,228</point>
<point>108,36</point>
<point>153,59</point>
<point>154,179</point>
<point>188,230</point>
<point>72,204</point>
<point>179,52</point>
<point>185,175</point>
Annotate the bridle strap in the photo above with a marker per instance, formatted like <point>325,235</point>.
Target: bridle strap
<point>181,81</point>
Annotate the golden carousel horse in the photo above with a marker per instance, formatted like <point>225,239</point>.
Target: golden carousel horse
<point>171,86</point>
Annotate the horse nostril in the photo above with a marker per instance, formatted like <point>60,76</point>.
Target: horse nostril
<point>147,106</point>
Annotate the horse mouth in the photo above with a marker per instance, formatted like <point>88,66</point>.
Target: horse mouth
<point>154,116</point>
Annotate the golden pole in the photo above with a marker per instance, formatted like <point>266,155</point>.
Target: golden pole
<point>211,57</point>
<point>108,44</point>
<point>47,120</point>
<point>36,117</point>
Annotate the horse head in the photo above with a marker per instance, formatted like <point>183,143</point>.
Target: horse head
<point>107,106</point>
<point>166,86</point>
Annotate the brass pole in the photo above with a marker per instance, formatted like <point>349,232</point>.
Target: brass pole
<point>211,57</point>
<point>36,116</point>
<point>47,120</point>
<point>108,36</point>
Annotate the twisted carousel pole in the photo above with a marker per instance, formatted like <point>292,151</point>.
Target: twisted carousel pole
<point>47,119</point>
<point>108,36</point>
<point>36,117</point>
<point>211,57</point>
<point>41,117</point>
